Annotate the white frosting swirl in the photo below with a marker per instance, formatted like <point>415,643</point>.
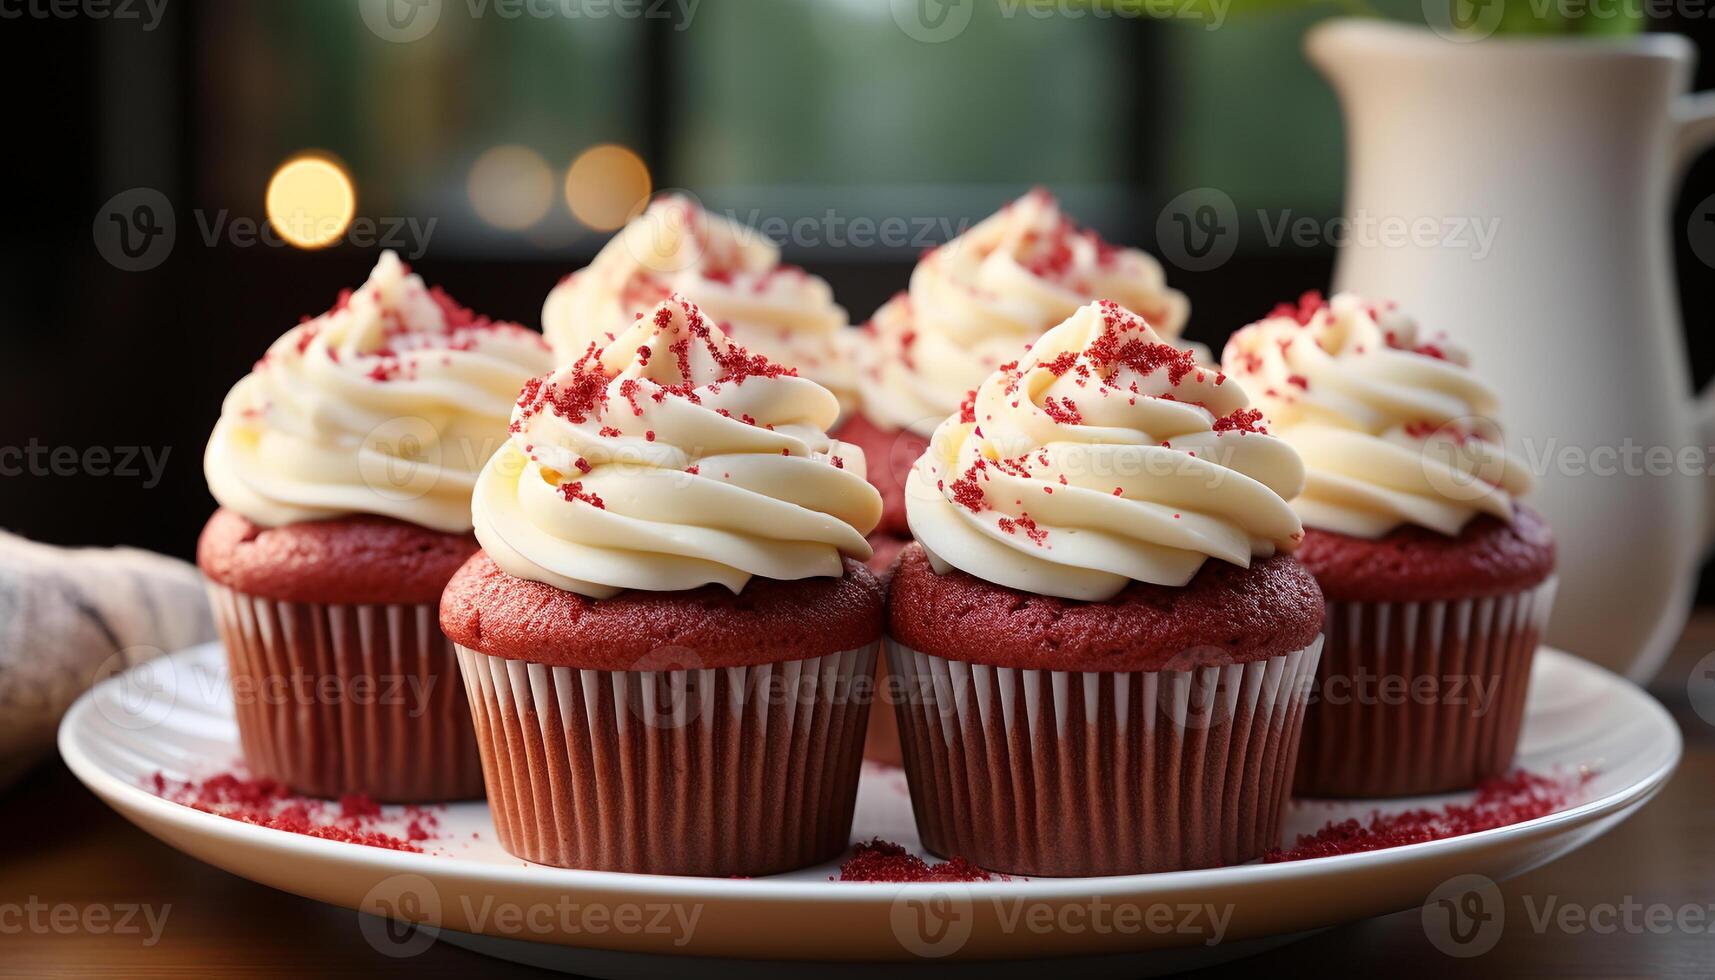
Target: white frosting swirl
<point>1105,456</point>
<point>1393,426</point>
<point>976,301</point>
<point>387,404</point>
<point>672,459</point>
<point>729,270</point>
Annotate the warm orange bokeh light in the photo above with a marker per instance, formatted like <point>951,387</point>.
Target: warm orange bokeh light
<point>511,187</point>
<point>310,201</point>
<point>607,186</point>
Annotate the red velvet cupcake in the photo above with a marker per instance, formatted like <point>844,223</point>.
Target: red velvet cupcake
<point>974,303</point>
<point>669,639</point>
<point>1106,653</point>
<point>1438,583</point>
<point>344,511</point>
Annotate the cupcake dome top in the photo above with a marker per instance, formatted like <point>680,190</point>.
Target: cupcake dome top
<point>1104,456</point>
<point>975,301</point>
<point>1393,425</point>
<point>669,459</point>
<point>387,404</point>
<point>731,271</point>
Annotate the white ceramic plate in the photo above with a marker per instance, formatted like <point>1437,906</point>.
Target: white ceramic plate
<point>174,716</point>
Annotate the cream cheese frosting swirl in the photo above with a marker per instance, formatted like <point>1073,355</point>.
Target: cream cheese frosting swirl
<point>732,272</point>
<point>670,459</point>
<point>1393,426</point>
<point>977,300</point>
<point>1105,456</point>
<point>387,404</point>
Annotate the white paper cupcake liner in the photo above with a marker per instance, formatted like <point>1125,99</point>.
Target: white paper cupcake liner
<point>1420,697</point>
<point>1060,773</point>
<point>715,771</point>
<point>343,699</point>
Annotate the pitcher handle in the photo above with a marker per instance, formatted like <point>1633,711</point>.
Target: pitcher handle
<point>1694,120</point>
<point>1694,123</point>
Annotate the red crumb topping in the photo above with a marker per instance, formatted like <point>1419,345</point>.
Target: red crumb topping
<point>1243,420</point>
<point>580,390</point>
<point>1062,411</point>
<point>1119,345</point>
<point>1501,801</point>
<point>1308,305</point>
<point>968,407</point>
<point>269,803</point>
<point>967,494</point>
<point>881,860</point>
<point>1025,523</point>
<point>575,491</point>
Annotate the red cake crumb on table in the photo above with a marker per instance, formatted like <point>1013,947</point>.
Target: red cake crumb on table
<point>272,804</point>
<point>881,860</point>
<point>1500,802</point>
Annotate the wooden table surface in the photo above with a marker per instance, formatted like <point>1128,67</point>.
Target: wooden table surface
<point>65,855</point>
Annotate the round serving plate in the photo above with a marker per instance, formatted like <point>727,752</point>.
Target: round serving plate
<point>173,716</point>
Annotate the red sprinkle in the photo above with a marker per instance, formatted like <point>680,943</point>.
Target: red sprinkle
<point>968,407</point>
<point>1501,801</point>
<point>1309,304</point>
<point>1062,411</point>
<point>576,491</point>
<point>272,804</point>
<point>881,860</point>
<point>1243,420</point>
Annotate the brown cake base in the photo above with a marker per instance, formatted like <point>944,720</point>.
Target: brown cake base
<point>737,771</point>
<point>337,699</point>
<point>1414,698</point>
<point>1055,773</point>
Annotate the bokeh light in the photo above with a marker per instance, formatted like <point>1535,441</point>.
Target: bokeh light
<point>607,186</point>
<point>511,187</point>
<point>311,201</point>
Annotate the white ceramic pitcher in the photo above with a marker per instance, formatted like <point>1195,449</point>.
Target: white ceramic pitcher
<point>1569,150</point>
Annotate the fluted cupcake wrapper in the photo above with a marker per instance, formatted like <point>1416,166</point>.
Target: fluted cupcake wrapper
<point>1059,773</point>
<point>342,699</point>
<point>705,771</point>
<point>1420,697</point>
